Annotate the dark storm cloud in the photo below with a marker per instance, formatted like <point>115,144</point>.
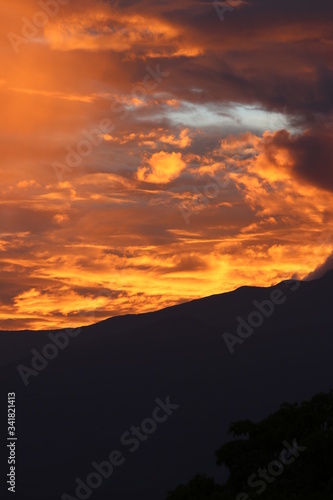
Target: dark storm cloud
<point>321,270</point>
<point>311,155</point>
<point>269,53</point>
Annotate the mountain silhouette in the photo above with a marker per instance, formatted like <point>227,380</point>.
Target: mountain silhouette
<point>75,410</point>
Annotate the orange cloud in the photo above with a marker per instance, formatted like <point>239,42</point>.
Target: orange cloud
<point>162,168</point>
<point>183,142</point>
<point>102,27</point>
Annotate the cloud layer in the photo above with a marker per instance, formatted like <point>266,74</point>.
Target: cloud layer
<point>154,153</point>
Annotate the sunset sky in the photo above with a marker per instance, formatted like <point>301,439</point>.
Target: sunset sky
<point>159,151</point>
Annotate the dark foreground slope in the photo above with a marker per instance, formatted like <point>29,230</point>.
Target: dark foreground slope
<point>75,411</point>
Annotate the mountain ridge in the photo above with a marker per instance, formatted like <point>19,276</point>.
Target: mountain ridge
<point>108,378</point>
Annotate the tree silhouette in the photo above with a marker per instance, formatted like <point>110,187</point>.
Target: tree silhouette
<point>288,455</point>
